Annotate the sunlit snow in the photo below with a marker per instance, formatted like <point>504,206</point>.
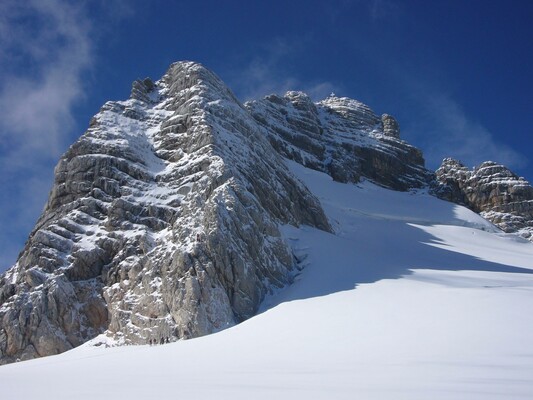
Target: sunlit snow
<point>411,298</point>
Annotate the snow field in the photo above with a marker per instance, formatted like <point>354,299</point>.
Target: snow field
<point>411,298</point>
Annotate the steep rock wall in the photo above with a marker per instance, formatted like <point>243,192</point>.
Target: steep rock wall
<point>342,137</point>
<point>490,189</point>
<point>162,223</point>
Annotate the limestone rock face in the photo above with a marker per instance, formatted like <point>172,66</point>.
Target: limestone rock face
<point>165,217</point>
<point>342,137</point>
<point>163,222</point>
<point>390,126</point>
<point>490,189</point>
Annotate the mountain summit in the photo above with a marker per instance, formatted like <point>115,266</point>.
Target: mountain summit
<point>165,220</point>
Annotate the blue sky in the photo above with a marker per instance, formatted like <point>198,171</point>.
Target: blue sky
<point>456,74</point>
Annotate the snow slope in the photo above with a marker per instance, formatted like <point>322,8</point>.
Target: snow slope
<point>411,298</point>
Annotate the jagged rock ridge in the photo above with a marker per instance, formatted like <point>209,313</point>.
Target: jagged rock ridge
<point>162,222</point>
<point>342,137</point>
<point>491,190</point>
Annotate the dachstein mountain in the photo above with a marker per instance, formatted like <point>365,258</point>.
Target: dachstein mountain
<point>166,218</point>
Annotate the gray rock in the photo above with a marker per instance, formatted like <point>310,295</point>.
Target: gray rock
<point>390,126</point>
<point>141,89</point>
<point>490,189</point>
<point>163,222</point>
<point>341,137</point>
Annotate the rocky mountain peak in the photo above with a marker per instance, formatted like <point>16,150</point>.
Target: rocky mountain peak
<point>449,162</point>
<point>354,111</point>
<point>490,189</point>
<point>300,101</point>
<point>342,137</point>
<point>163,222</point>
<point>189,79</point>
<point>165,218</point>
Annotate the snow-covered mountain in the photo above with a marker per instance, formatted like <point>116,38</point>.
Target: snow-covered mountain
<point>181,212</point>
<point>163,222</point>
<point>491,189</point>
<point>410,298</point>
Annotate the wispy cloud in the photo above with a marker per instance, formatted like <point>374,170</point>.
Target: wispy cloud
<point>444,129</point>
<point>47,49</point>
<point>433,118</point>
<point>267,73</point>
<point>50,43</point>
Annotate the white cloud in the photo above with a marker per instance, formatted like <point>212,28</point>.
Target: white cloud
<point>259,78</point>
<point>445,130</point>
<point>51,49</point>
<point>436,122</point>
<point>267,74</point>
<point>45,52</point>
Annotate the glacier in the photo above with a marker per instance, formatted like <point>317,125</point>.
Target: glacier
<point>410,297</point>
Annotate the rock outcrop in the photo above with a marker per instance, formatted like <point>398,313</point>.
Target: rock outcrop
<point>390,126</point>
<point>491,190</point>
<point>163,222</point>
<point>342,137</point>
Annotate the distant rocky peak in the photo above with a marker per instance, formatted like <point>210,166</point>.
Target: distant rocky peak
<point>187,76</point>
<point>490,170</point>
<point>495,171</point>
<point>490,189</point>
<point>342,137</point>
<point>450,162</point>
<point>352,110</point>
<point>451,167</point>
<point>301,101</point>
